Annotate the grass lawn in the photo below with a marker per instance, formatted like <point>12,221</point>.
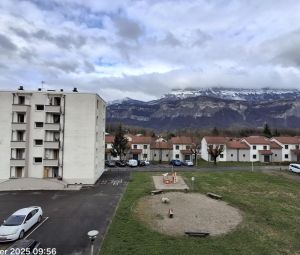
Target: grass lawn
<point>271,218</point>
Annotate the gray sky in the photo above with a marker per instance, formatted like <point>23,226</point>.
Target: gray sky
<point>143,49</point>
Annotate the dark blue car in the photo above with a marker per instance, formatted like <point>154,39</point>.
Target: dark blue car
<point>175,162</point>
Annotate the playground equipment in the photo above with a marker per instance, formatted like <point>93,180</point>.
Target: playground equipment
<point>172,179</point>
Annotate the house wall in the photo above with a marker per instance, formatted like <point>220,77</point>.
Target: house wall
<point>239,155</point>
<point>144,151</point>
<point>204,153</point>
<point>286,154</point>
<point>175,151</point>
<point>256,151</point>
<point>166,155</point>
<point>277,155</point>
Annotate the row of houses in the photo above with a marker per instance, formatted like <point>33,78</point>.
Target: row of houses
<point>253,148</point>
<point>153,149</point>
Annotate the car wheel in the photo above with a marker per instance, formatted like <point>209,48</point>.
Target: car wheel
<point>40,219</point>
<point>21,234</point>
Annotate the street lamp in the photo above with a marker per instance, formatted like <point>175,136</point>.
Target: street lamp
<point>193,179</point>
<point>92,236</point>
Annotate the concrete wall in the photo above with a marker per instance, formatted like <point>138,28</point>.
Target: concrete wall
<point>144,151</point>
<point>239,155</point>
<point>5,134</point>
<point>277,155</point>
<point>163,155</point>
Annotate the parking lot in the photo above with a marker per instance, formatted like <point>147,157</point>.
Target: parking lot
<point>69,215</point>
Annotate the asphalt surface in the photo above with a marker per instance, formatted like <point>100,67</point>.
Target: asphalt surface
<point>69,215</point>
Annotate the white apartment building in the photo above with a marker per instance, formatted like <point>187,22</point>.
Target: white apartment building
<point>52,134</point>
<point>260,148</point>
<point>182,146</point>
<point>214,141</point>
<point>290,147</point>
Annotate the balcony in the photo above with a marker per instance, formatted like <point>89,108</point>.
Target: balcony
<point>17,162</point>
<point>17,144</point>
<point>20,107</point>
<point>18,126</point>
<point>52,108</point>
<point>50,162</point>
<point>52,126</point>
<point>51,145</point>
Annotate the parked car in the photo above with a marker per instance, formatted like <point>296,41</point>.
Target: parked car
<point>121,163</point>
<point>29,246</point>
<point>188,163</point>
<point>110,163</point>
<point>19,223</point>
<point>294,168</point>
<point>175,162</point>
<point>132,163</point>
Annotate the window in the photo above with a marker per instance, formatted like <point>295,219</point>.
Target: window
<point>154,154</point>
<point>20,136</point>
<point>275,155</point>
<point>188,147</point>
<point>145,146</point>
<point>254,156</point>
<point>56,118</point>
<point>20,153</point>
<point>39,107</point>
<point>286,146</point>
<point>167,155</point>
<point>297,147</point>
<point>21,117</point>
<point>177,147</point>
<point>38,160</point>
<point>221,155</point>
<point>105,146</point>
<point>134,146</point>
<point>286,156</point>
<point>39,124</point>
<point>244,155</point>
<point>254,147</point>
<point>265,147</point>
<point>29,216</point>
<point>145,155</point>
<point>177,156</point>
<point>38,142</point>
<point>232,155</point>
<point>57,101</point>
<point>21,100</point>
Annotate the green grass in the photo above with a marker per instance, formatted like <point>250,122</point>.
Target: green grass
<point>271,218</point>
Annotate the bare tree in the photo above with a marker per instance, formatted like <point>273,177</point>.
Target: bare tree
<point>196,148</point>
<point>215,151</point>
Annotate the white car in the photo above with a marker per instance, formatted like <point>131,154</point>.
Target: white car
<point>294,168</point>
<point>132,162</point>
<point>188,163</point>
<point>19,223</point>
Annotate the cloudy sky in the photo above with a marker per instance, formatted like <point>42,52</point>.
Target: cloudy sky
<point>143,49</point>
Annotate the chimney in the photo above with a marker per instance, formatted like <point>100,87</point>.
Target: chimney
<point>61,90</point>
<point>39,89</point>
<point>21,88</point>
<point>75,90</point>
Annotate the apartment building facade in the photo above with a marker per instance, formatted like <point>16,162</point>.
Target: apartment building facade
<point>52,134</point>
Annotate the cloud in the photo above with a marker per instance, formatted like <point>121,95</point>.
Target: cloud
<point>143,49</point>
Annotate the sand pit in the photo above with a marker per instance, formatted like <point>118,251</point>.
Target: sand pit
<point>192,212</point>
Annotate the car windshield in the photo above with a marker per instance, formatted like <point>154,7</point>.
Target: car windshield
<point>14,220</point>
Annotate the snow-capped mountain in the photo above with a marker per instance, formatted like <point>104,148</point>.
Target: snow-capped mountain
<point>236,94</point>
<point>206,108</point>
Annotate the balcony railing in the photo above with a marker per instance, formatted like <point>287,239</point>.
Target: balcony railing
<point>51,144</point>
<point>17,162</point>
<point>52,126</point>
<point>17,144</point>
<point>20,107</point>
<point>52,108</point>
<point>50,162</point>
<point>18,125</point>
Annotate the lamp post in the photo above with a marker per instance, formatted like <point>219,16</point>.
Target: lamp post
<point>193,179</point>
<point>92,236</point>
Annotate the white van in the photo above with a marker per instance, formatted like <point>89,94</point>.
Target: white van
<point>294,168</point>
<point>132,162</point>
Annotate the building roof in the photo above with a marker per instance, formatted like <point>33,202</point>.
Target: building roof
<point>275,145</point>
<point>237,144</point>
<point>181,140</point>
<point>265,152</point>
<point>109,139</point>
<point>186,152</point>
<point>257,140</point>
<point>215,139</point>
<point>141,139</point>
<point>161,146</point>
<point>287,139</point>
<point>135,151</point>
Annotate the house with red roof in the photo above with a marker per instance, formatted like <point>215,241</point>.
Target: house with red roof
<point>215,141</point>
<point>161,151</point>
<point>139,147</point>
<point>237,150</point>
<point>290,147</point>
<point>182,148</point>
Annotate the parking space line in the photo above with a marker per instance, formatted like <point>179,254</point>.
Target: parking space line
<point>36,227</point>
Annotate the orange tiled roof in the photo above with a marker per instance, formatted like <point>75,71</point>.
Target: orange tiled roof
<point>161,146</point>
<point>257,140</point>
<point>237,144</point>
<point>288,139</point>
<point>109,139</point>
<point>275,145</point>
<point>181,140</point>
<point>215,139</point>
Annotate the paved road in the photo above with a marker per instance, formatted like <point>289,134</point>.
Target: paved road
<point>168,168</point>
<point>71,214</point>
